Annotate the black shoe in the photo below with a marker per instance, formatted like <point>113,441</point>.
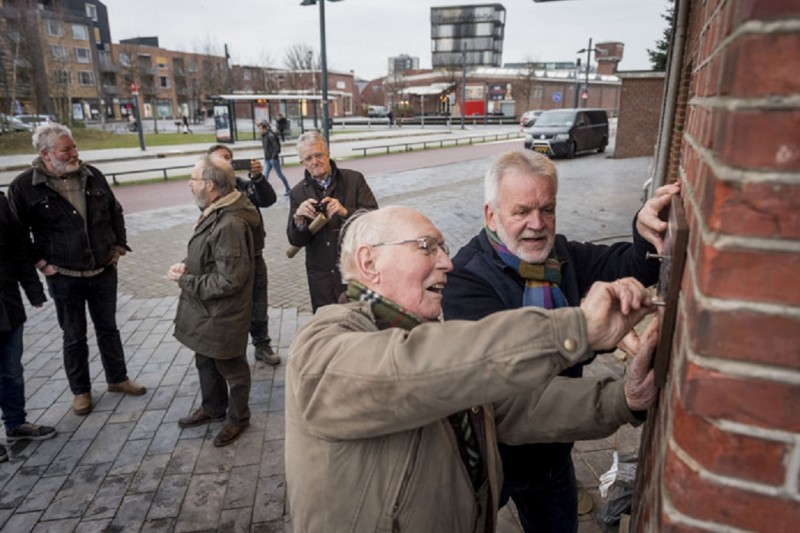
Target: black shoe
<point>3,455</point>
<point>229,433</point>
<point>198,418</point>
<point>266,354</point>
<point>29,431</point>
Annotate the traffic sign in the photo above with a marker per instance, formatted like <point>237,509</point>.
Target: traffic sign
<point>557,96</point>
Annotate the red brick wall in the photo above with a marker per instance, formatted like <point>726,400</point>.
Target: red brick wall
<point>639,113</point>
<point>725,453</point>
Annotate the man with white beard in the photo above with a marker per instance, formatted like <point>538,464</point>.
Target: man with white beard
<point>78,237</point>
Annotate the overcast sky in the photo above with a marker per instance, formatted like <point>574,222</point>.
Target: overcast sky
<point>363,34</point>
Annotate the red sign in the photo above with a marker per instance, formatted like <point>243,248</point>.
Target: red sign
<point>134,89</point>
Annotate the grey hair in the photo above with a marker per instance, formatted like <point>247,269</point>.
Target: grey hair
<point>363,227</point>
<point>46,135</point>
<point>221,175</point>
<point>526,161</point>
<point>310,138</point>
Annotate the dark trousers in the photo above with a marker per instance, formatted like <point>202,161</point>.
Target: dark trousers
<point>71,297</point>
<point>549,506</point>
<point>259,321</point>
<point>12,385</point>
<point>216,377</point>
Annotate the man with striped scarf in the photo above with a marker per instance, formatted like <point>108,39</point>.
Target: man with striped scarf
<point>518,260</point>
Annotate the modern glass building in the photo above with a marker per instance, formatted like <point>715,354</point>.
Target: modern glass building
<point>471,34</point>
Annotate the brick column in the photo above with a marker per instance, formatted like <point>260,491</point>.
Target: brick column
<point>726,446</point>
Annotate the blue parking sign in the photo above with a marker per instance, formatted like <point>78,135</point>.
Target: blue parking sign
<point>557,96</point>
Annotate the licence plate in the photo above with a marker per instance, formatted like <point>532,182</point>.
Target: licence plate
<point>541,149</point>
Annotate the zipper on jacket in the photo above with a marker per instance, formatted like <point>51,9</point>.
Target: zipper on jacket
<point>406,480</point>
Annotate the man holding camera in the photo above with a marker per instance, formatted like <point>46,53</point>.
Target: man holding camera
<point>335,194</point>
<point>261,194</point>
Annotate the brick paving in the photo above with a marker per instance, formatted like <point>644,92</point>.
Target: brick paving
<point>128,466</point>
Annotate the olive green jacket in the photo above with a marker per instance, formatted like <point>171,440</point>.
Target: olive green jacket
<point>213,315</point>
<point>368,444</point>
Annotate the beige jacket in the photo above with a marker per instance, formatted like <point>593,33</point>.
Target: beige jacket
<point>368,446</point>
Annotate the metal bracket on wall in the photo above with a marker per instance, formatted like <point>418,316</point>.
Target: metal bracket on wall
<point>669,284</point>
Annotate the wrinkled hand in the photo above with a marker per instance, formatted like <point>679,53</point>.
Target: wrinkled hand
<point>612,309</point>
<point>176,271</point>
<point>305,211</point>
<point>640,387</point>
<point>334,207</point>
<point>648,224</point>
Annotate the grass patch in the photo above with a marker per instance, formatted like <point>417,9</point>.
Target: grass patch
<point>95,139</point>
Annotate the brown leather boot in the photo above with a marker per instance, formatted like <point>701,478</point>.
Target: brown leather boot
<point>82,403</point>
<point>127,387</point>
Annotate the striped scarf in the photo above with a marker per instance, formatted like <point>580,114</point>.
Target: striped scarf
<point>390,315</point>
<point>541,280</point>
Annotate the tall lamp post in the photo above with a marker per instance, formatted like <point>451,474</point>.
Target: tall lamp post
<point>324,62</point>
<point>588,62</point>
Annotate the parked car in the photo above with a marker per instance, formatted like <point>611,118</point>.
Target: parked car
<point>566,132</point>
<point>528,118</point>
<point>9,124</point>
<point>36,120</point>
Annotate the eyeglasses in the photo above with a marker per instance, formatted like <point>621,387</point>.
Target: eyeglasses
<point>430,245</point>
<point>310,157</point>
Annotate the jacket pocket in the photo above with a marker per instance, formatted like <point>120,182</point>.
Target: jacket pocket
<point>404,493</point>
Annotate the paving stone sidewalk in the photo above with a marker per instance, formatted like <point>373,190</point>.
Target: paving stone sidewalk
<point>128,466</point>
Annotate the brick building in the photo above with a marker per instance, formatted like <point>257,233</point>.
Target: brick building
<point>640,100</point>
<point>724,446</point>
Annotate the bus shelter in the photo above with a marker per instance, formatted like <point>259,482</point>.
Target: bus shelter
<point>236,115</point>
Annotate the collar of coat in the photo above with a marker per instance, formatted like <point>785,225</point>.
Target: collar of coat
<point>219,203</point>
<point>41,173</point>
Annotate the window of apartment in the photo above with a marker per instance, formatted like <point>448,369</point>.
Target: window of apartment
<point>537,92</point>
<point>85,77</point>
<point>59,53</point>
<point>163,82</point>
<point>124,59</point>
<point>91,11</point>
<point>348,104</point>
<point>162,63</point>
<point>83,55</point>
<point>247,75</point>
<point>54,28</point>
<point>80,32</point>
<point>62,77</point>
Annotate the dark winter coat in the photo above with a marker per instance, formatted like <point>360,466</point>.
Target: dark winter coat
<point>213,316</point>
<point>271,145</point>
<point>60,234</point>
<point>322,249</point>
<point>481,284</point>
<point>16,268</point>
<point>261,194</point>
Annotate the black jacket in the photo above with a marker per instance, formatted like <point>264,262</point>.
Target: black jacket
<point>481,284</point>
<point>60,234</point>
<point>16,268</point>
<point>322,249</point>
<point>261,194</point>
<point>271,145</point>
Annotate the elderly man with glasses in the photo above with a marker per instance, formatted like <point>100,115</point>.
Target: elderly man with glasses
<point>393,418</point>
<point>334,193</point>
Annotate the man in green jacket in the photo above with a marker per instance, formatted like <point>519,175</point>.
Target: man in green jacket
<point>216,281</point>
<point>392,418</point>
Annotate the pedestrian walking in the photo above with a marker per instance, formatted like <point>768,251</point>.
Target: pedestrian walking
<point>272,154</point>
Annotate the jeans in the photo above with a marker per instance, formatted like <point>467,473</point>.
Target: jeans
<point>259,322</point>
<point>71,297</point>
<point>269,164</point>
<point>550,506</point>
<point>215,377</point>
<point>12,385</point>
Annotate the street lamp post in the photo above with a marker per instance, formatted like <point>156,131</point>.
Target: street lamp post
<point>588,62</point>
<point>324,64</point>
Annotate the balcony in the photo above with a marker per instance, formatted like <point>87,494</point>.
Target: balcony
<point>111,90</point>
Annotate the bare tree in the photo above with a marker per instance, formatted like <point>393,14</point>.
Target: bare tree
<point>24,70</point>
<point>301,57</point>
<point>527,88</point>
